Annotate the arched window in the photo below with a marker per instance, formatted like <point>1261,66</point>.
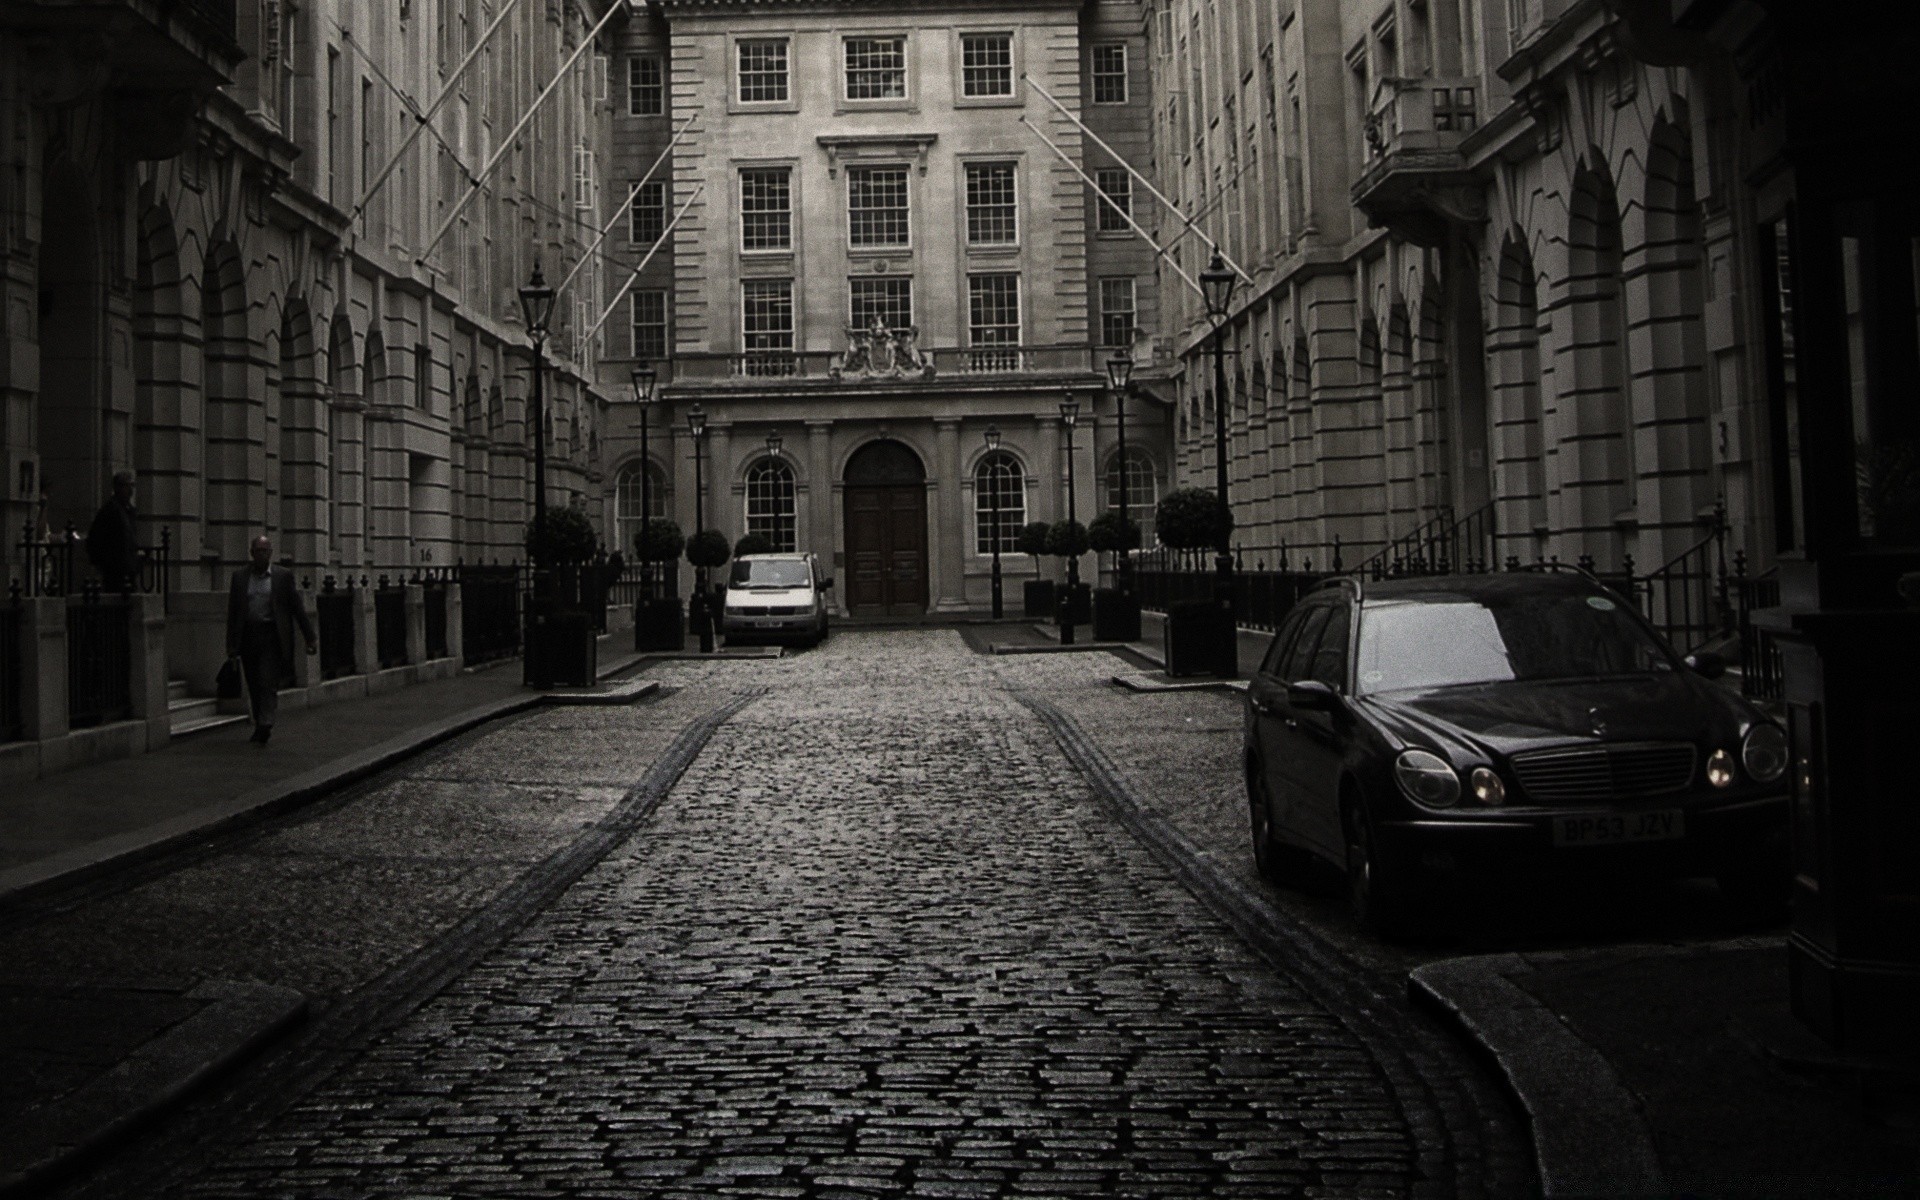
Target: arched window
<point>770,503</point>
<point>999,486</point>
<point>1142,494</point>
<point>626,501</point>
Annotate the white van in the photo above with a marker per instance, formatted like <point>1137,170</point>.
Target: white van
<point>776,596</point>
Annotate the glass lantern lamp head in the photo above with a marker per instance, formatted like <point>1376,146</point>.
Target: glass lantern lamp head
<point>993,438</point>
<point>644,379</point>
<point>697,421</point>
<point>1069,411</point>
<point>536,303</point>
<point>1217,282</point>
<point>1120,369</point>
<point>774,442</point>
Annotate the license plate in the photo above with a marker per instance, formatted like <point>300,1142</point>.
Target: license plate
<point>1607,829</point>
<point>768,622</point>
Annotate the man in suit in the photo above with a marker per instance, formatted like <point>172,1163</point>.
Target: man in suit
<point>263,607</point>
<point>111,542</point>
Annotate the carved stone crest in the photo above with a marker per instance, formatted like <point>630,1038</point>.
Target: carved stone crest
<point>881,352</point>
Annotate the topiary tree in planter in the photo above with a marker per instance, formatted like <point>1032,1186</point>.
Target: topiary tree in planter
<point>752,543</point>
<point>1067,540</point>
<point>709,549</point>
<point>706,550</point>
<point>568,538</point>
<point>1111,533</point>
<point>1116,613</point>
<point>658,624</point>
<point>1037,595</point>
<point>1200,636</point>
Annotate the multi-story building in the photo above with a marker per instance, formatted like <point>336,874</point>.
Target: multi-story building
<point>1489,281</point>
<point>240,263</point>
<point>882,240</point>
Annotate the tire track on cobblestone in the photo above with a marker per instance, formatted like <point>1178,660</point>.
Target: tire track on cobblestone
<point>1459,1150</point>
<point>279,1081</point>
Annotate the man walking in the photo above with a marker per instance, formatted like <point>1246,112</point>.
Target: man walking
<point>111,545</point>
<point>262,608</point>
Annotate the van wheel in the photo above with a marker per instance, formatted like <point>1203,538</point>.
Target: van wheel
<point>1381,891</point>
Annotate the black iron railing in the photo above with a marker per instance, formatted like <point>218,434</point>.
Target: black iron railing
<point>1761,673</point>
<point>582,587</point>
<point>489,611</point>
<point>390,623</point>
<point>433,593</point>
<point>12,710</point>
<point>333,610</point>
<point>57,565</point>
<point>1440,545</point>
<point>99,659</point>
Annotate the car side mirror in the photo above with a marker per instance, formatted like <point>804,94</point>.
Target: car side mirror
<point>1309,693</point>
<point>1707,664</point>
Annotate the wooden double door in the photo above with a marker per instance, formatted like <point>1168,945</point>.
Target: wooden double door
<point>886,549</point>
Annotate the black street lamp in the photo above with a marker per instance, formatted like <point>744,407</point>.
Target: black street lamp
<point>702,612</point>
<point>536,305</point>
<point>1216,282</point>
<point>1119,380</point>
<point>1069,417</point>
<point>993,494</point>
<point>644,379</point>
<point>774,442</point>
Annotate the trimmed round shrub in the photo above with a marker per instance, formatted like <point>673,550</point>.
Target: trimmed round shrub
<point>752,543</point>
<point>1033,538</point>
<point>1192,519</point>
<point>1067,539</point>
<point>659,540</point>
<point>708,548</point>
<point>569,537</point>
<point>1110,532</point>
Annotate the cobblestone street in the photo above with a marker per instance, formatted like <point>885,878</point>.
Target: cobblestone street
<point>881,939</point>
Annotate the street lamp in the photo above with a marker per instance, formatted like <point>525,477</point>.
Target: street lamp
<point>774,442</point>
<point>702,613</point>
<point>1216,284</point>
<point>993,492</point>
<point>1119,380</point>
<point>644,379</point>
<point>1069,416</point>
<point>536,305</point>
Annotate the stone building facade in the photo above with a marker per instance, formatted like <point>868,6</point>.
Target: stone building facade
<point>874,252</point>
<point>1491,280</point>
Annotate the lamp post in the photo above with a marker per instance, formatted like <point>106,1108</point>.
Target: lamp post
<point>644,379</point>
<point>536,305</point>
<point>1216,282</point>
<point>993,494</point>
<point>701,611</point>
<point>774,442</point>
<point>1069,416</point>
<point>1119,379</point>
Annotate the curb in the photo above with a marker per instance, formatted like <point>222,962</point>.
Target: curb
<point>1589,1136</point>
<point>240,1018</point>
<point>109,854</point>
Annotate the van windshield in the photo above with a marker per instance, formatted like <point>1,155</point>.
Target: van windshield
<point>769,573</point>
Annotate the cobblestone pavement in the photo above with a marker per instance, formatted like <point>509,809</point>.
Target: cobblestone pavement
<point>880,940</point>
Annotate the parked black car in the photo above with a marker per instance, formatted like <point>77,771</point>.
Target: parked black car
<point>1472,729</point>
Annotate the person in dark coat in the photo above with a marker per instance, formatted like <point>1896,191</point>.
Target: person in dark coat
<point>111,546</point>
<point>263,607</point>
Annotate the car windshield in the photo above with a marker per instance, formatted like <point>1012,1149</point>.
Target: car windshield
<point>769,572</point>
<point>1446,641</point>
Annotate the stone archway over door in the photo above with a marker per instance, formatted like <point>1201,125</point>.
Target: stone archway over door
<point>886,536</point>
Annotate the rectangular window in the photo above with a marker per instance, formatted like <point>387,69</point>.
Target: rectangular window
<point>1110,73</point>
<point>646,87</point>
<point>877,206</point>
<point>766,208</point>
<point>763,71</point>
<point>1116,198</point>
<point>766,326</point>
<point>1116,311</point>
<point>336,153</point>
<point>888,300</point>
<point>986,65</point>
<point>876,68</point>
<point>649,323</point>
<point>647,215</point>
<point>991,216</point>
<point>422,378</point>
<point>993,318</point>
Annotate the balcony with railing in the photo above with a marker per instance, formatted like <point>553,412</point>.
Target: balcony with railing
<point>830,368</point>
<point>1414,180</point>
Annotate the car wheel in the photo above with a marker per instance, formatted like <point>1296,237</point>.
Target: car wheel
<point>1270,858</point>
<point>1380,891</point>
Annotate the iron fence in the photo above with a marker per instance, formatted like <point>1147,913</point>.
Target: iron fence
<point>390,623</point>
<point>489,611</point>
<point>57,565</point>
<point>333,610</point>
<point>99,659</point>
<point>1761,672</point>
<point>1439,546</point>
<point>433,592</point>
<point>12,712</point>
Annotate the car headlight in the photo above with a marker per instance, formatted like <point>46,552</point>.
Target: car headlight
<point>1764,752</point>
<point>1427,779</point>
<point>1486,786</point>
<point>1720,769</point>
